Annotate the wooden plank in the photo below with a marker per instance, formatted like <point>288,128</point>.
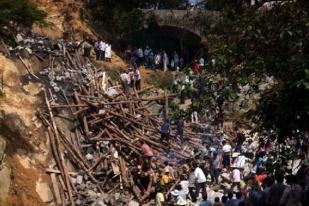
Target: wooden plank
<point>56,188</point>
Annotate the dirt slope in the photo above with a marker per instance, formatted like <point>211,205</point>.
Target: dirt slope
<point>64,18</point>
<point>27,148</point>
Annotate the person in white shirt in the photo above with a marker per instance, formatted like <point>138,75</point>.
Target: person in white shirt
<point>137,78</point>
<point>184,183</point>
<point>165,61</point>
<point>108,52</point>
<point>102,47</point>
<point>200,182</point>
<point>125,82</point>
<point>160,197</point>
<point>241,160</point>
<point>236,178</point>
<point>227,149</point>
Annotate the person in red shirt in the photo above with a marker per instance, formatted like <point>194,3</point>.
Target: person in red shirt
<point>196,67</point>
<point>147,152</point>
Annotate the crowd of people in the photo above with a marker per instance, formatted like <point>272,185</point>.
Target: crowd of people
<point>103,50</point>
<point>247,168</point>
<point>155,60</point>
<point>239,164</point>
<point>130,80</point>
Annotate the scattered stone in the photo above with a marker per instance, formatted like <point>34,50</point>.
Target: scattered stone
<point>44,191</point>
<point>79,179</point>
<point>89,156</point>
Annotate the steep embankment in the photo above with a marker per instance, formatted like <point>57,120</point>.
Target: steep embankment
<point>65,18</point>
<point>27,149</point>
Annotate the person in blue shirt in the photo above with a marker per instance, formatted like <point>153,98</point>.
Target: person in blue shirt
<point>165,130</point>
<point>179,129</point>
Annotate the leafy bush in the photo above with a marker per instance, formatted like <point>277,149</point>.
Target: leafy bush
<point>20,12</point>
<point>273,43</point>
<point>163,80</point>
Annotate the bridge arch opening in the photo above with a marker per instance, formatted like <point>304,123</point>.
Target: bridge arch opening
<point>168,38</point>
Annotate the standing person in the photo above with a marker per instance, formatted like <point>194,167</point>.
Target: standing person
<point>241,160</point>
<point>157,60</point>
<point>165,130</point>
<point>146,56</point>
<point>276,190</point>
<point>292,193</point>
<point>140,56</point>
<point>147,152</point>
<point>97,50</point>
<point>256,195</point>
<point>179,128</point>
<point>236,178</point>
<point>216,167</point>
<point>165,61</point>
<point>202,63</point>
<point>200,181</point>
<point>137,78</point>
<point>87,47</point>
<point>184,186</point>
<point>196,67</point>
<point>227,149</point>
<point>160,197</point>
<point>134,59</point>
<point>181,63</point>
<point>151,59</point>
<point>240,139</point>
<point>128,54</point>
<point>125,80</point>
<point>176,60</point>
<point>192,181</point>
<point>108,52</point>
<point>102,47</point>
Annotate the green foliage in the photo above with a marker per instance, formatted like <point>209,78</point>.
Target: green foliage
<point>20,12</point>
<point>119,18</point>
<point>163,80</point>
<point>273,43</point>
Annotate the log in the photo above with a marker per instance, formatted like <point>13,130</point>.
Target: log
<point>56,189</point>
<point>65,174</point>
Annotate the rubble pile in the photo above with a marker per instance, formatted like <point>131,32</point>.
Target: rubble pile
<point>94,164</point>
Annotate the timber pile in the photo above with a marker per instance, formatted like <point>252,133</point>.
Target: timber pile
<point>95,165</point>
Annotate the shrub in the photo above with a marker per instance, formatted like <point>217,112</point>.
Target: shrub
<point>19,12</point>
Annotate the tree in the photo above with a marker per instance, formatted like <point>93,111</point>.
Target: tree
<point>273,43</point>
<point>20,12</point>
<point>118,18</point>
